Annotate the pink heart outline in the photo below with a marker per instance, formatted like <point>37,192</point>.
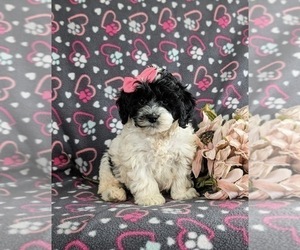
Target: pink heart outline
<point>113,113</point>
<point>48,93</point>
<point>34,244</point>
<point>166,20</point>
<point>113,47</point>
<point>295,40</point>
<point>277,66</point>
<point>245,40</point>
<point>255,41</point>
<point>184,208</point>
<point>82,221</point>
<point>267,93</point>
<point>4,26</point>
<point>226,204</point>
<point>34,208</point>
<point>111,28</point>
<point>204,101</point>
<point>221,16</point>
<point>231,67</point>
<point>180,237</point>
<point>15,158</point>
<point>10,120</point>
<point>194,13</point>
<point>80,90</point>
<point>138,234</point>
<point>230,88</point>
<point>76,244</point>
<point>244,10</point>
<point>165,52</point>
<point>198,40</point>
<point>82,24</point>
<point>82,114</point>
<point>38,218</point>
<point>74,208</point>
<point>115,82</point>
<point>143,47</point>
<point>43,119</point>
<point>4,91</point>
<point>228,221</point>
<point>46,24</point>
<point>90,161</point>
<point>54,25</point>
<point>36,46</point>
<point>293,9</point>
<point>81,48</point>
<point>205,80</point>
<point>269,220</point>
<point>57,160</point>
<point>263,20</point>
<point>132,214</point>
<point>85,196</point>
<point>218,40</point>
<point>140,15</point>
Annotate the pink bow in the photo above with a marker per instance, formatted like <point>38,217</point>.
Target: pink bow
<point>148,75</point>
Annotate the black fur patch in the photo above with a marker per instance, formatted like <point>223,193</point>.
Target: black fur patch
<point>168,91</point>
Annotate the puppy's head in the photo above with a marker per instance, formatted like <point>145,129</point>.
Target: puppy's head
<point>155,105</point>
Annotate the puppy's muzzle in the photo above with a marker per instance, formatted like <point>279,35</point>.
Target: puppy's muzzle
<point>152,118</point>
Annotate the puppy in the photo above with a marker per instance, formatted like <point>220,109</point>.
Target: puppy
<point>155,149</point>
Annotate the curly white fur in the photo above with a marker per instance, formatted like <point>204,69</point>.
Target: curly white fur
<point>147,163</point>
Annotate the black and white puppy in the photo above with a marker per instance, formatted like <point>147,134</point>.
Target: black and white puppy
<point>156,147</point>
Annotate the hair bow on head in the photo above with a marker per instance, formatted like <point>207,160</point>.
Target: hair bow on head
<point>148,75</point>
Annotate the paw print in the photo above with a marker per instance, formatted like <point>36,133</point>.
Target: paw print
<point>24,227</point>
<point>73,28</point>
<point>169,25</point>
<point>232,103</point>
<point>88,127</point>
<point>116,126</point>
<point>225,76</point>
<point>55,58</point>
<point>197,242</point>
<point>196,53</point>
<point>290,20</point>
<point>79,60</point>
<point>60,160</point>
<point>54,128</point>
<point>4,128</point>
<point>173,55</point>
<point>83,186</point>
<point>5,59</point>
<point>242,20</point>
<point>86,209</point>
<point>275,103</point>
<point>33,28</point>
<point>203,84</point>
<point>189,24</point>
<point>67,227</point>
<point>134,26</point>
<point>111,29</point>
<point>110,92</point>
<point>141,58</point>
<point>107,2</point>
<point>269,48</point>
<point>223,21</point>
<point>150,245</point>
<point>85,95</point>
<point>42,60</point>
<point>116,58</point>
<point>228,48</point>
<point>265,76</point>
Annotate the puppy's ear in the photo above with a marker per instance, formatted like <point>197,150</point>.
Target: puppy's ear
<point>124,106</point>
<point>186,109</point>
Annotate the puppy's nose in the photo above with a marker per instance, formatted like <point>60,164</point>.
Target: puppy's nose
<point>152,118</point>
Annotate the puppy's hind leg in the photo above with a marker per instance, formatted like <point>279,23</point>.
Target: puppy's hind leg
<point>109,187</point>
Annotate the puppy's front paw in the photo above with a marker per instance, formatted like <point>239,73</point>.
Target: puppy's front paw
<point>188,194</point>
<point>150,200</point>
<point>114,194</point>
